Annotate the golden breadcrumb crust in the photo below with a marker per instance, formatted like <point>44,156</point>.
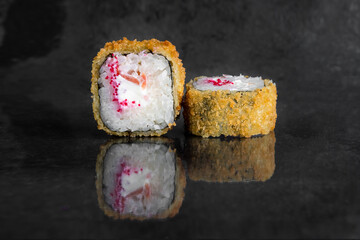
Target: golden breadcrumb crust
<point>180,180</point>
<point>223,112</point>
<point>126,46</point>
<point>234,160</point>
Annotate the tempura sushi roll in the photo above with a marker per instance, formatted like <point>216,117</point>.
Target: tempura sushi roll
<point>231,160</point>
<point>137,87</point>
<point>230,106</point>
<point>139,179</point>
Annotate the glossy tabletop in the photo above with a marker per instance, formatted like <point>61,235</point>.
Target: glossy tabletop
<point>300,181</point>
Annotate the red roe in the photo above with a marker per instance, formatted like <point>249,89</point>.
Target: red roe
<point>219,82</point>
<point>113,67</point>
<point>119,200</point>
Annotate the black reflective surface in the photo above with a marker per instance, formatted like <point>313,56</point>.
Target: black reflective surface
<point>49,140</point>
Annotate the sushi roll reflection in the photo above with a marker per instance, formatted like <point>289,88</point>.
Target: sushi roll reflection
<point>140,179</point>
<point>137,87</point>
<point>231,160</point>
<point>230,106</point>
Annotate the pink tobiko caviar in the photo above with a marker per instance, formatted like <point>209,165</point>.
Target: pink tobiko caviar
<point>219,82</point>
<point>118,193</point>
<point>112,68</point>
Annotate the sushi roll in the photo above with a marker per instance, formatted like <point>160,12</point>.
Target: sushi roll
<point>139,179</point>
<point>231,160</point>
<point>137,87</point>
<point>230,105</point>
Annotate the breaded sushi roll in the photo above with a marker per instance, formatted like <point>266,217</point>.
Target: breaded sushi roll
<point>230,105</point>
<point>231,159</point>
<point>139,179</point>
<point>137,87</point>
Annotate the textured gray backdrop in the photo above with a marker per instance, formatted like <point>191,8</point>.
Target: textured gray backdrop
<point>49,140</point>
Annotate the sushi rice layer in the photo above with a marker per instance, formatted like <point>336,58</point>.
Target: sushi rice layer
<point>228,82</point>
<point>136,92</point>
<point>139,179</point>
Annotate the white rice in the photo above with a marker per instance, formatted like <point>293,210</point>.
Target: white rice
<point>156,109</point>
<point>229,82</point>
<point>154,165</point>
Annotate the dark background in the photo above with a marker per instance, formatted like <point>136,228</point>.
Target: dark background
<point>49,140</point>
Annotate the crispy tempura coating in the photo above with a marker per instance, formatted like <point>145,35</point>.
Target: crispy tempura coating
<point>126,46</point>
<point>223,112</point>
